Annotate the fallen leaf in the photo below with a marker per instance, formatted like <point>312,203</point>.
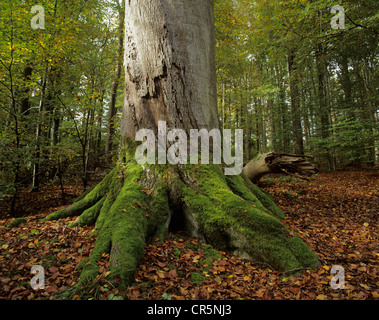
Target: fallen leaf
<point>365,286</point>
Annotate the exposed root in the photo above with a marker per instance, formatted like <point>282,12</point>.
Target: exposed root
<point>89,216</point>
<point>134,204</point>
<point>234,219</point>
<point>78,207</point>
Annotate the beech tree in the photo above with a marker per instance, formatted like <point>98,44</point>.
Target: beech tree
<point>170,76</point>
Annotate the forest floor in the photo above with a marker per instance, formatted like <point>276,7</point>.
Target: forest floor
<point>336,214</point>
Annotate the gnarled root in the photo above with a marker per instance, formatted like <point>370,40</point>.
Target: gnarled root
<point>134,204</point>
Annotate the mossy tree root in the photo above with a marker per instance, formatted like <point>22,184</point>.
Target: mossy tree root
<point>90,200</point>
<point>134,204</point>
<point>235,215</point>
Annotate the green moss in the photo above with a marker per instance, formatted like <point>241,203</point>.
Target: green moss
<point>240,222</point>
<point>264,197</point>
<point>210,252</point>
<point>89,216</point>
<point>89,273</point>
<point>197,278</point>
<point>126,219</point>
<point>231,214</point>
<point>89,266</point>
<point>177,252</point>
<point>114,189</point>
<point>84,194</point>
<point>158,213</point>
<point>90,200</point>
<point>16,222</point>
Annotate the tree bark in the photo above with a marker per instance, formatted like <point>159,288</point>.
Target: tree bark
<point>170,66</point>
<point>116,80</point>
<point>323,104</point>
<point>283,163</point>
<point>38,134</point>
<point>170,76</point>
<point>295,105</point>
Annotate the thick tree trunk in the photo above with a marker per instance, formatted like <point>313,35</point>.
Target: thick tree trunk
<point>170,76</point>
<point>170,66</point>
<point>135,204</point>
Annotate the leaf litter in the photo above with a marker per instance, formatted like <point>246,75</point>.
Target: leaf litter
<point>336,214</point>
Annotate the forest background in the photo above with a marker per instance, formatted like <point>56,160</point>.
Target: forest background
<point>285,75</point>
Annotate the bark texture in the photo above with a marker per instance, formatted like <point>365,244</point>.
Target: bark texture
<point>135,204</point>
<point>170,76</point>
<point>276,162</point>
<point>170,66</point>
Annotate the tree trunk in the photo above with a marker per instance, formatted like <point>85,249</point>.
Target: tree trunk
<point>116,80</point>
<point>323,104</point>
<point>170,76</point>
<point>37,154</point>
<point>25,91</point>
<point>283,163</point>
<point>170,66</point>
<point>295,105</point>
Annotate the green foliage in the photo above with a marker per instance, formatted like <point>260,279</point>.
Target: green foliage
<point>54,83</point>
<point>335,70</point>
<point>256,231</point>
<point>16,222</point>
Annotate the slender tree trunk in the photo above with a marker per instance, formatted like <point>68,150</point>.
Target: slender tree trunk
<point>99,123</point>
<point>323,105</point>
<point>284,131</point>
<point>25,101</point>
<point>366,115</point>
<point>223,105</point>
<point>37,154</point>
<point>112,103</point>
<point>295,105</point>
<point>348,100</point>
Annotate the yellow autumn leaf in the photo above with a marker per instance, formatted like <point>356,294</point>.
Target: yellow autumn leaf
<point>364,286</point>
<point>321,297</point>
<point>246,278</point>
